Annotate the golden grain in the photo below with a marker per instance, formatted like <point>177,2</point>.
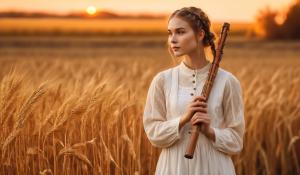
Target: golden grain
<point>89,120</point>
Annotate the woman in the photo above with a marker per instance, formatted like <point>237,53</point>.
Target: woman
<point>173,104</point>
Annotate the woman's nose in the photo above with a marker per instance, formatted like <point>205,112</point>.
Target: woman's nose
<point>173,39</point>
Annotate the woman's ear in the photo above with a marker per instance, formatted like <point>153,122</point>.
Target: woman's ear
<point>201,35</point>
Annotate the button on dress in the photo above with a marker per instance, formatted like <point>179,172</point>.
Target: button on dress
<point>168,96</point>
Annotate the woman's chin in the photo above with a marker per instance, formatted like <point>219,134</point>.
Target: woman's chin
<point>178,54</point>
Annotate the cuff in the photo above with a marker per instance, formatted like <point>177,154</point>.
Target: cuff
<point>175,122</point>
<point>217,136</point>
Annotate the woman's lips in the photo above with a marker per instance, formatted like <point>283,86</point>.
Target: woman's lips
<point>175,48</point>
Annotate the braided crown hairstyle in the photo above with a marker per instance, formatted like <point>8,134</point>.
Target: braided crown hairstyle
<point>198,20</point>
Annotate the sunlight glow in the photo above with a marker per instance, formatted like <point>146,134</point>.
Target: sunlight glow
<point>91,10</point>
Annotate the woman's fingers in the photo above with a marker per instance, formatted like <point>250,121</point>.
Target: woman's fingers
<point>199,109</point>
<point>200,115</point>
<point>198,103</point>
<point>198,121</point>
<point>198,98</point>
<point>197,106</point>
<point>203,116</point>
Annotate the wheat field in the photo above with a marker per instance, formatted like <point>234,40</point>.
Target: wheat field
<point>78,109</point>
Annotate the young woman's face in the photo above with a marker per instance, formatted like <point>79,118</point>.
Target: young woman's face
<point>181,37</point>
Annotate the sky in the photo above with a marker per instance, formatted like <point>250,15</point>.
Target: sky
<point>219,10</point>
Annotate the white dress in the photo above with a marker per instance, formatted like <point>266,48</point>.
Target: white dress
<point>168,96</point>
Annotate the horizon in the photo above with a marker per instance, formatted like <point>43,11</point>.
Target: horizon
<point>99,15</point>
<point>215,10</point>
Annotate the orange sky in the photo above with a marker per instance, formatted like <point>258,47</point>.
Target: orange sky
<point>234,10</point>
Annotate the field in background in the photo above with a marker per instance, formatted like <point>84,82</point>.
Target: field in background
<point>54,26</point>
<point>74,105</point>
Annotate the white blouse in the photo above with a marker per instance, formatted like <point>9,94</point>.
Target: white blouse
<point>169,94</point>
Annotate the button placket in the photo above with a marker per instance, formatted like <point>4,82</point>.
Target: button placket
<point>194,83</point>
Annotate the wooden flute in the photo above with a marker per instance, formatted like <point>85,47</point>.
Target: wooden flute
<point>207,88</point>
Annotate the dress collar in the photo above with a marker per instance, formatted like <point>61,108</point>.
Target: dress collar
<point>188,70</point>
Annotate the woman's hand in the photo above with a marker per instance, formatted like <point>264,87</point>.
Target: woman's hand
<point>197,105</point>
<point>198,115</point>
<point>203,120</point>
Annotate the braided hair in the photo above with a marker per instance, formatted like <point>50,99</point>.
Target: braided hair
<point>198,20</point>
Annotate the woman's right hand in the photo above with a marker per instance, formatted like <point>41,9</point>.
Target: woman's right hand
<point>197,105</point>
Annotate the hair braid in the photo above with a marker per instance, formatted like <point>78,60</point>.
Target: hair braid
<point>212,44</point>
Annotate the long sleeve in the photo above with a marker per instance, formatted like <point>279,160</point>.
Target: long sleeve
<point>160,131</point>
<point>229,138</point>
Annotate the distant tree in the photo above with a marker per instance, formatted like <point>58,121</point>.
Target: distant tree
<point>291,26</point>
<point>268,27</point>
<point>266,23</point>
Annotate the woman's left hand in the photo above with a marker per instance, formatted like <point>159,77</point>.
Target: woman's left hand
<point>203,120</point>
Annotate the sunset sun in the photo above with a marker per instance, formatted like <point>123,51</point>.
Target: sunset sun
<point>91,10</point>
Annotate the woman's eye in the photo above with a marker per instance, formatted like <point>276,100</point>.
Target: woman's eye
<point>177,32</point>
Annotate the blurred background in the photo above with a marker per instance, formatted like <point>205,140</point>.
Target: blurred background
<point>74,76</point>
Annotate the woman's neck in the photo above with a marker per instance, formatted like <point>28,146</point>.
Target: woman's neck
<point>196,60</point>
